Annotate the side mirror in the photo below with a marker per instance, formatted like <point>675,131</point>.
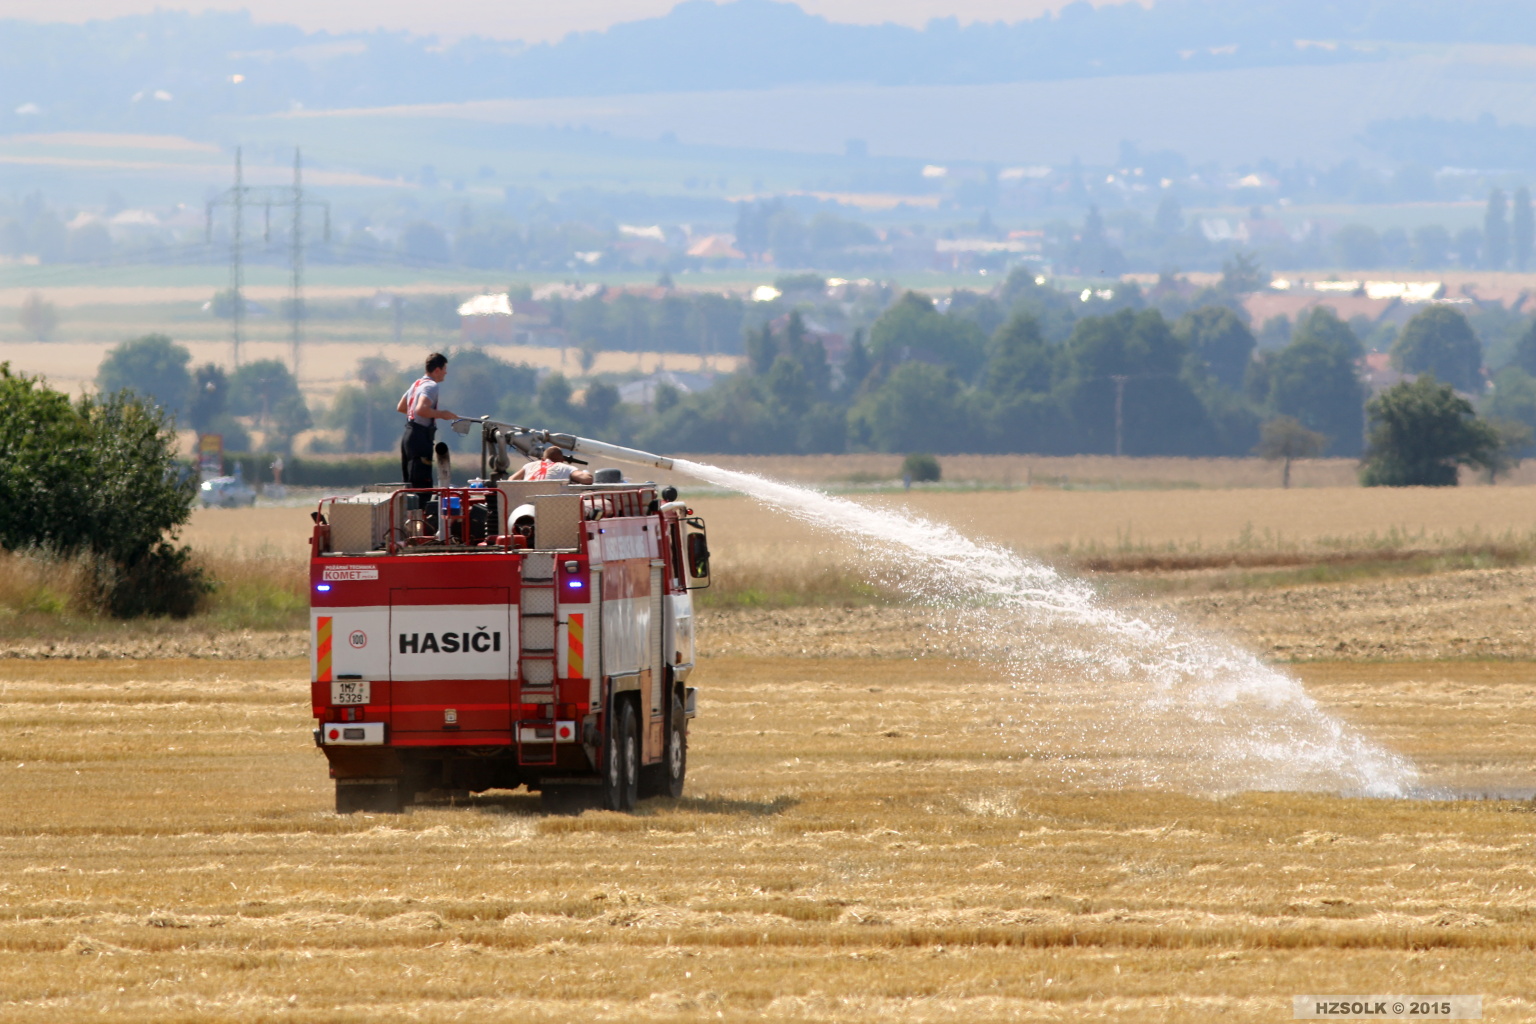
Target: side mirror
<point>698,555</point>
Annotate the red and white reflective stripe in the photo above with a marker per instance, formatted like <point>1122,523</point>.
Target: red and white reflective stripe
<point>353,734</point>
<point>323,648</point>
<point>555,732</point>
<point>576,646</point>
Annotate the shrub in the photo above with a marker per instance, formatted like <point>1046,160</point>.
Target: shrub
<point>161,582</point>
<point>921,468</point>
<point>98,477</point>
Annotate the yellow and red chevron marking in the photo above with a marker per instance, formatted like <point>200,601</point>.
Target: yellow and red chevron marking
<point>323,648</point>
<point>576,653</point>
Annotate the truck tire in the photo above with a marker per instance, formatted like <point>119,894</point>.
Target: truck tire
<point>666,778</point>
<point>621,761</point>
<point>368,798</point>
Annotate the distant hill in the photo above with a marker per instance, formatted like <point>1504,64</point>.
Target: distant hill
<point>172,71</point>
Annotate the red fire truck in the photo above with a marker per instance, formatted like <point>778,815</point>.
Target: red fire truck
<point>509,633</point>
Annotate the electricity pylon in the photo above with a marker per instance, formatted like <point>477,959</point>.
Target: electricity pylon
<point>237,199</point>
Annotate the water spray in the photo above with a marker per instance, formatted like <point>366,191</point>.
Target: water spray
<point>1228,721</point>
<point>1182,709</point>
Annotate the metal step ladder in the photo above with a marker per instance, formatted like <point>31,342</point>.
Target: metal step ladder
<point>536,653</point>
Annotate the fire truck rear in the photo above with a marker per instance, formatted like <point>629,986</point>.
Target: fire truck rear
<point>513,633</point>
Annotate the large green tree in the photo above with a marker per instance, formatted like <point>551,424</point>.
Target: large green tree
<point>1513,399</point>
<point>477,384</point>
<point>1018,359</point>
<point>154,367</point>
<point>1525,350</point>
<point>1015,400</point>
<point>365,411</point>
<point>1054,310</point>
<point>743,414</point>
<point>1125,388</point>
<point>1221,342</point>
<point>918,406</point>
<point>1315,380</point>
<point>1421,433</point>
<point>267,391</point>
<point>913,328</point>
<point>1439,340</point>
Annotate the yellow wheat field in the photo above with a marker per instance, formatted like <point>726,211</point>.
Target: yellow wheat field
<point>1093,472</point>
<point>862,841</point>
<point>326,363</point>
<point>1047,519</point>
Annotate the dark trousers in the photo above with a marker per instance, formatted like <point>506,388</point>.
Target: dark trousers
<point>416,454</point>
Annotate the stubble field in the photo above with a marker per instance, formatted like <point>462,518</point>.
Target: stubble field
<point>880,825</point>
<point>863,840</point>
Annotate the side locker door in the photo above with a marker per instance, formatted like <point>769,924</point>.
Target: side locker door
<point>655,723</point>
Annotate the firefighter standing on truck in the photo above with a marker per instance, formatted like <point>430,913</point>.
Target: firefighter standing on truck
<point>419,404</point>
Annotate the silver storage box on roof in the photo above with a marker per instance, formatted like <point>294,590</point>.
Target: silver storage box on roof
<point>359,523</point>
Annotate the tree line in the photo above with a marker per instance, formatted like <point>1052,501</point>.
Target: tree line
<point>1110,244</point>
<point>1024,369</point>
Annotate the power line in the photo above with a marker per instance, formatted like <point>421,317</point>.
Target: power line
<point>40,275</point>
<point>293,197</point>
<point>296,239</point>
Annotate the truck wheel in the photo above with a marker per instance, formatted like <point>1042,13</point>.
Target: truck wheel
<point>369,798</point>
<point>666,778</point>
<point>631,760</point>
<point>621,761</point>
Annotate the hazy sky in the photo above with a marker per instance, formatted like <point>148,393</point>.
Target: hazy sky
<point>511,19</point>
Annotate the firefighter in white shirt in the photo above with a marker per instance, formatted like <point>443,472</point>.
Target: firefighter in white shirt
<point>552,465</point>
<point>419,404</point>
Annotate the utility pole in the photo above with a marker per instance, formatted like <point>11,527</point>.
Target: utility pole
<point>296,298</point>
<point>1119,380</point>
<point>236,276</point>
<point>237,199</point>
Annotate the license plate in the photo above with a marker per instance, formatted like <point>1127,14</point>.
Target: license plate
<point>350,691</point>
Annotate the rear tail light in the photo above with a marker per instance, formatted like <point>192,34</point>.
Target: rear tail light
<point>363,733</point>
<point>559,731</point>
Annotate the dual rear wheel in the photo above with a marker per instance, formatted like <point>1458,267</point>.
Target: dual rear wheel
<point>666,778</point>
<point>624,781</point>
<point>621,762</point>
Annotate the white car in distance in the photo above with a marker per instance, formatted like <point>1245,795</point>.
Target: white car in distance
<point>226,492</point>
